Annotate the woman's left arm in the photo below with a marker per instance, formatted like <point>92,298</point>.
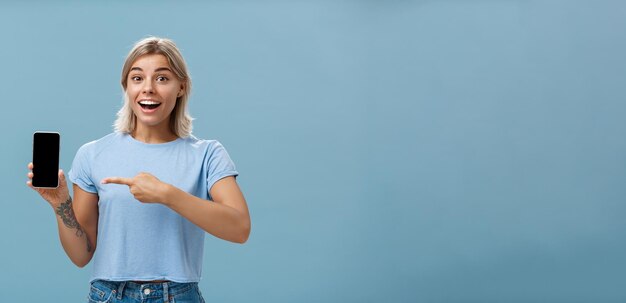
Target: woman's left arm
<point>227,218</point>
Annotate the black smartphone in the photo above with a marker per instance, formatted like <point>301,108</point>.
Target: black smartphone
<point>46,149</point>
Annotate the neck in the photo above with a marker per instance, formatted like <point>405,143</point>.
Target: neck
<point>153,135</point>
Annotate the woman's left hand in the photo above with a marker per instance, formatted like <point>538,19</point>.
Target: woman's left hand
<point>144,186</point>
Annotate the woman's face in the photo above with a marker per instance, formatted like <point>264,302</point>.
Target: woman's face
<point>152,89</point>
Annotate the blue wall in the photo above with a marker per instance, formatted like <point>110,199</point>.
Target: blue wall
<point>390,151</point>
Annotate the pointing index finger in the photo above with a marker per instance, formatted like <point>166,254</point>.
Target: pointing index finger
<point>117,180</point>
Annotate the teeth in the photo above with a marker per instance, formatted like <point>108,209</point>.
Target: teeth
<point>147,102</point>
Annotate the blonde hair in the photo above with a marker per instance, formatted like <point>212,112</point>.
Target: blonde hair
<point>180,120</point>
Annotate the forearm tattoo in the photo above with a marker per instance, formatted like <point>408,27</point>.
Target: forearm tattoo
<point>66,212</point>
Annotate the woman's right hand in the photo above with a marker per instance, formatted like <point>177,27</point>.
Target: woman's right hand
<point>54,196</point>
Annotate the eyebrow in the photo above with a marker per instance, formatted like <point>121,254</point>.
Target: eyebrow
<point>156,70</point>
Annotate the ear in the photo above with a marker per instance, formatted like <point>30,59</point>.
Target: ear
<point>181,91</point>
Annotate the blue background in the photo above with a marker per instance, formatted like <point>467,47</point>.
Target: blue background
<point>390,151</point>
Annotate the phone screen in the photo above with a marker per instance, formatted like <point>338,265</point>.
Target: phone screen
<point>46,147</point>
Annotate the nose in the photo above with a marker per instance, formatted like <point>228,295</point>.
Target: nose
<point>147,87</point>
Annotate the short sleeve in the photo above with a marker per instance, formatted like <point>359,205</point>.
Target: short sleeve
<point>80,173</point>
<point>219,165</point>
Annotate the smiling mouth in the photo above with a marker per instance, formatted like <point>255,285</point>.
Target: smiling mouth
<point>149,104</point>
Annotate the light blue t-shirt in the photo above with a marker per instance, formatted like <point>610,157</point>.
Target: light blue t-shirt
<point>146,241</point>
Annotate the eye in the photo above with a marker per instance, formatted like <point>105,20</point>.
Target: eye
<point>135,78</point>
<point>161,78</point>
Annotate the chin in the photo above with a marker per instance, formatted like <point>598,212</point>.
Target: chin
<point>148,121</point>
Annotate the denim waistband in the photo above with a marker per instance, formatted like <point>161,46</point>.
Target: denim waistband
<point>145,290</point>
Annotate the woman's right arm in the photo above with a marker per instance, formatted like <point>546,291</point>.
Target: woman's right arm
<point>77,218</point>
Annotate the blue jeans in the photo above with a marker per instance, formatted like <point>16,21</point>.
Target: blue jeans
<point>131,292</point>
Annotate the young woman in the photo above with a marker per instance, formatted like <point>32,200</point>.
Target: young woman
<point>145,195</point>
